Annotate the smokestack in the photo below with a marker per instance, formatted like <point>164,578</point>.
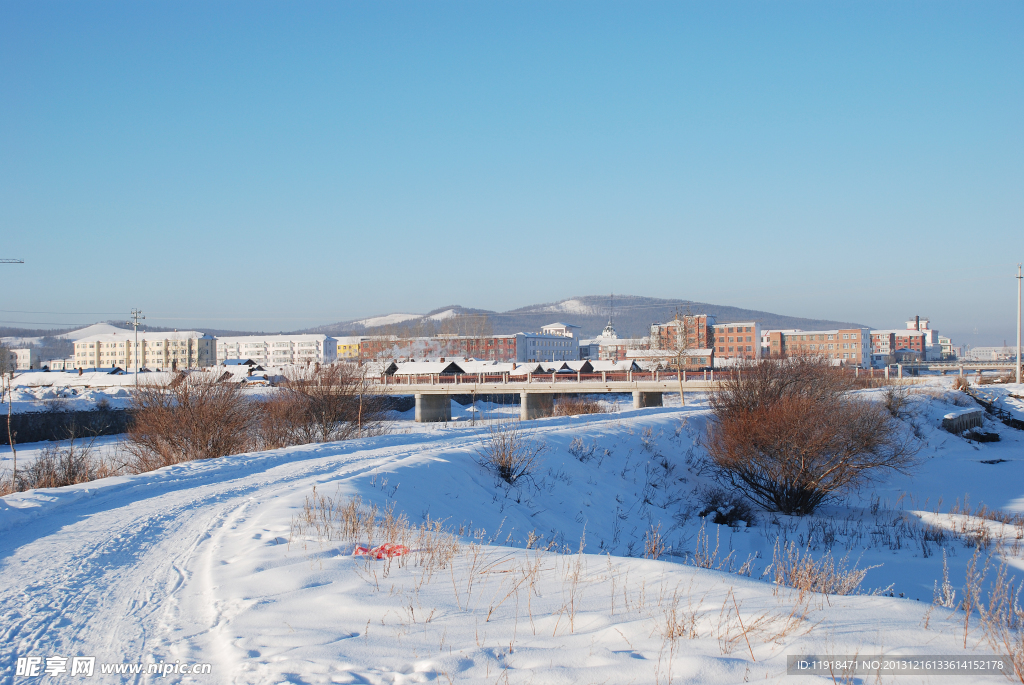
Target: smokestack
<point>917,323</point>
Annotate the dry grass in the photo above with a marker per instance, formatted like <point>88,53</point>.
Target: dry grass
<point>957,399</point>
<point>995,380</point>
<point>1002,621</point>
<point>791,568</point>
<point>731,626</point>
<point>325,519</point>
<point>574,406</point>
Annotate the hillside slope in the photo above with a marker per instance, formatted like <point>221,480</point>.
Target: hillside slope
<point>632,316</point>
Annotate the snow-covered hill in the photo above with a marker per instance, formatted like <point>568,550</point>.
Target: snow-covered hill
<point>217,562</point>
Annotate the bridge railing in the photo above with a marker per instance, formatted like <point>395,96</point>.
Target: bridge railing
<point>549,378</point>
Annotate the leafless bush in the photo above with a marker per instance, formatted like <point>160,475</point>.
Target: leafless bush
<point>192,417</point>
<point>581,450</point>
<point>321,404</point>
<point>511,452</point>
<point>961,383</point>
<point>59,464</point>
<point>789,436</point>
<point>726,508</point>
<point>769,381</point>
<point>573,406</point>
<point>897,398</point>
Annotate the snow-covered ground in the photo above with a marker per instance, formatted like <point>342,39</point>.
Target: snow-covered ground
<point>201,562</point>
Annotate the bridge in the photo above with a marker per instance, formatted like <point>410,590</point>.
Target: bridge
<point>957,366</point>
<point>537,391</point>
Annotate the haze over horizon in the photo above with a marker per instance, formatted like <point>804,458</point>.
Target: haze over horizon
<point>276,167</point>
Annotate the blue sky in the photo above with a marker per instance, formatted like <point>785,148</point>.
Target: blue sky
<point>278,165</point>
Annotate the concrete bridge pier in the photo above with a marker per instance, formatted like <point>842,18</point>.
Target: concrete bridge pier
<point>646,399</point>
<point>535,405</point>
<point>433,408</point>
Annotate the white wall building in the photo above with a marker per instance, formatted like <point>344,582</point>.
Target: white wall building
<point>24,359</point>
<point>992,354</point>
<point>279,349</point>
<point>164,350</point>
<point>555,342</point>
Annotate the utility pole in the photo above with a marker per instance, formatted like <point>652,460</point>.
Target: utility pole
<point>10,390</point>
<point>134,323</point>
<point>1018,323</point>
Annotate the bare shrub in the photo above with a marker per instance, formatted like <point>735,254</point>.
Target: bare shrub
<point>726,508</point>
<point>321,404</point>
<point>510,451</point>
<point>961,383</point>
<point>59,464</point>
<point>789,436</point>
<point>897,399</point>
<point>192,417</point>
<point>573,406</point>
<point>769,381</point>
<point>581,450</point>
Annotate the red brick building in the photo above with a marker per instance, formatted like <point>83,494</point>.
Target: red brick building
<point>850,346</point>
<point>692,331</point>
<point>737,340</point>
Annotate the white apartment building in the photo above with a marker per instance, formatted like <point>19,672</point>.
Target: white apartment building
<point>24,359</point>
<point>279,349</point>
<point>163,350</point>
<point>556,342</point>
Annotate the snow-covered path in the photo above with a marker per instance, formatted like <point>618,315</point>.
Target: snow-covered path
<point>126,568</point>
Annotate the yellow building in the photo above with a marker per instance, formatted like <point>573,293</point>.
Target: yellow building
<point>348,347</point>
<point>157,350</point>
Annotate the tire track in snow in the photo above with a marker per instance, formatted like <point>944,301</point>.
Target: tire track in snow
<point>101,579</point>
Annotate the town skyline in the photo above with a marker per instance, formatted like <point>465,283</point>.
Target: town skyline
<point>273,169</point>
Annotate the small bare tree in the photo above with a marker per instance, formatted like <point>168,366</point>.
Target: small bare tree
<point>789,436</point>
<point>191,417</point>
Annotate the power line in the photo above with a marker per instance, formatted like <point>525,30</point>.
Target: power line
<point>46,323</point>
<point>19,311</point>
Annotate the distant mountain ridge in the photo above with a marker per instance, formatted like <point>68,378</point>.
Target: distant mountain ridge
<point>632,316</point>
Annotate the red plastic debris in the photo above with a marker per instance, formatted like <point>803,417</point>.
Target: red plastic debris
<point>385,551</point>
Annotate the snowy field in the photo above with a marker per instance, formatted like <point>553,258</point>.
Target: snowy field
<point>224,562</point>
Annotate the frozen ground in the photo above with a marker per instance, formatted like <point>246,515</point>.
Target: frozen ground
<point>200,562</point>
